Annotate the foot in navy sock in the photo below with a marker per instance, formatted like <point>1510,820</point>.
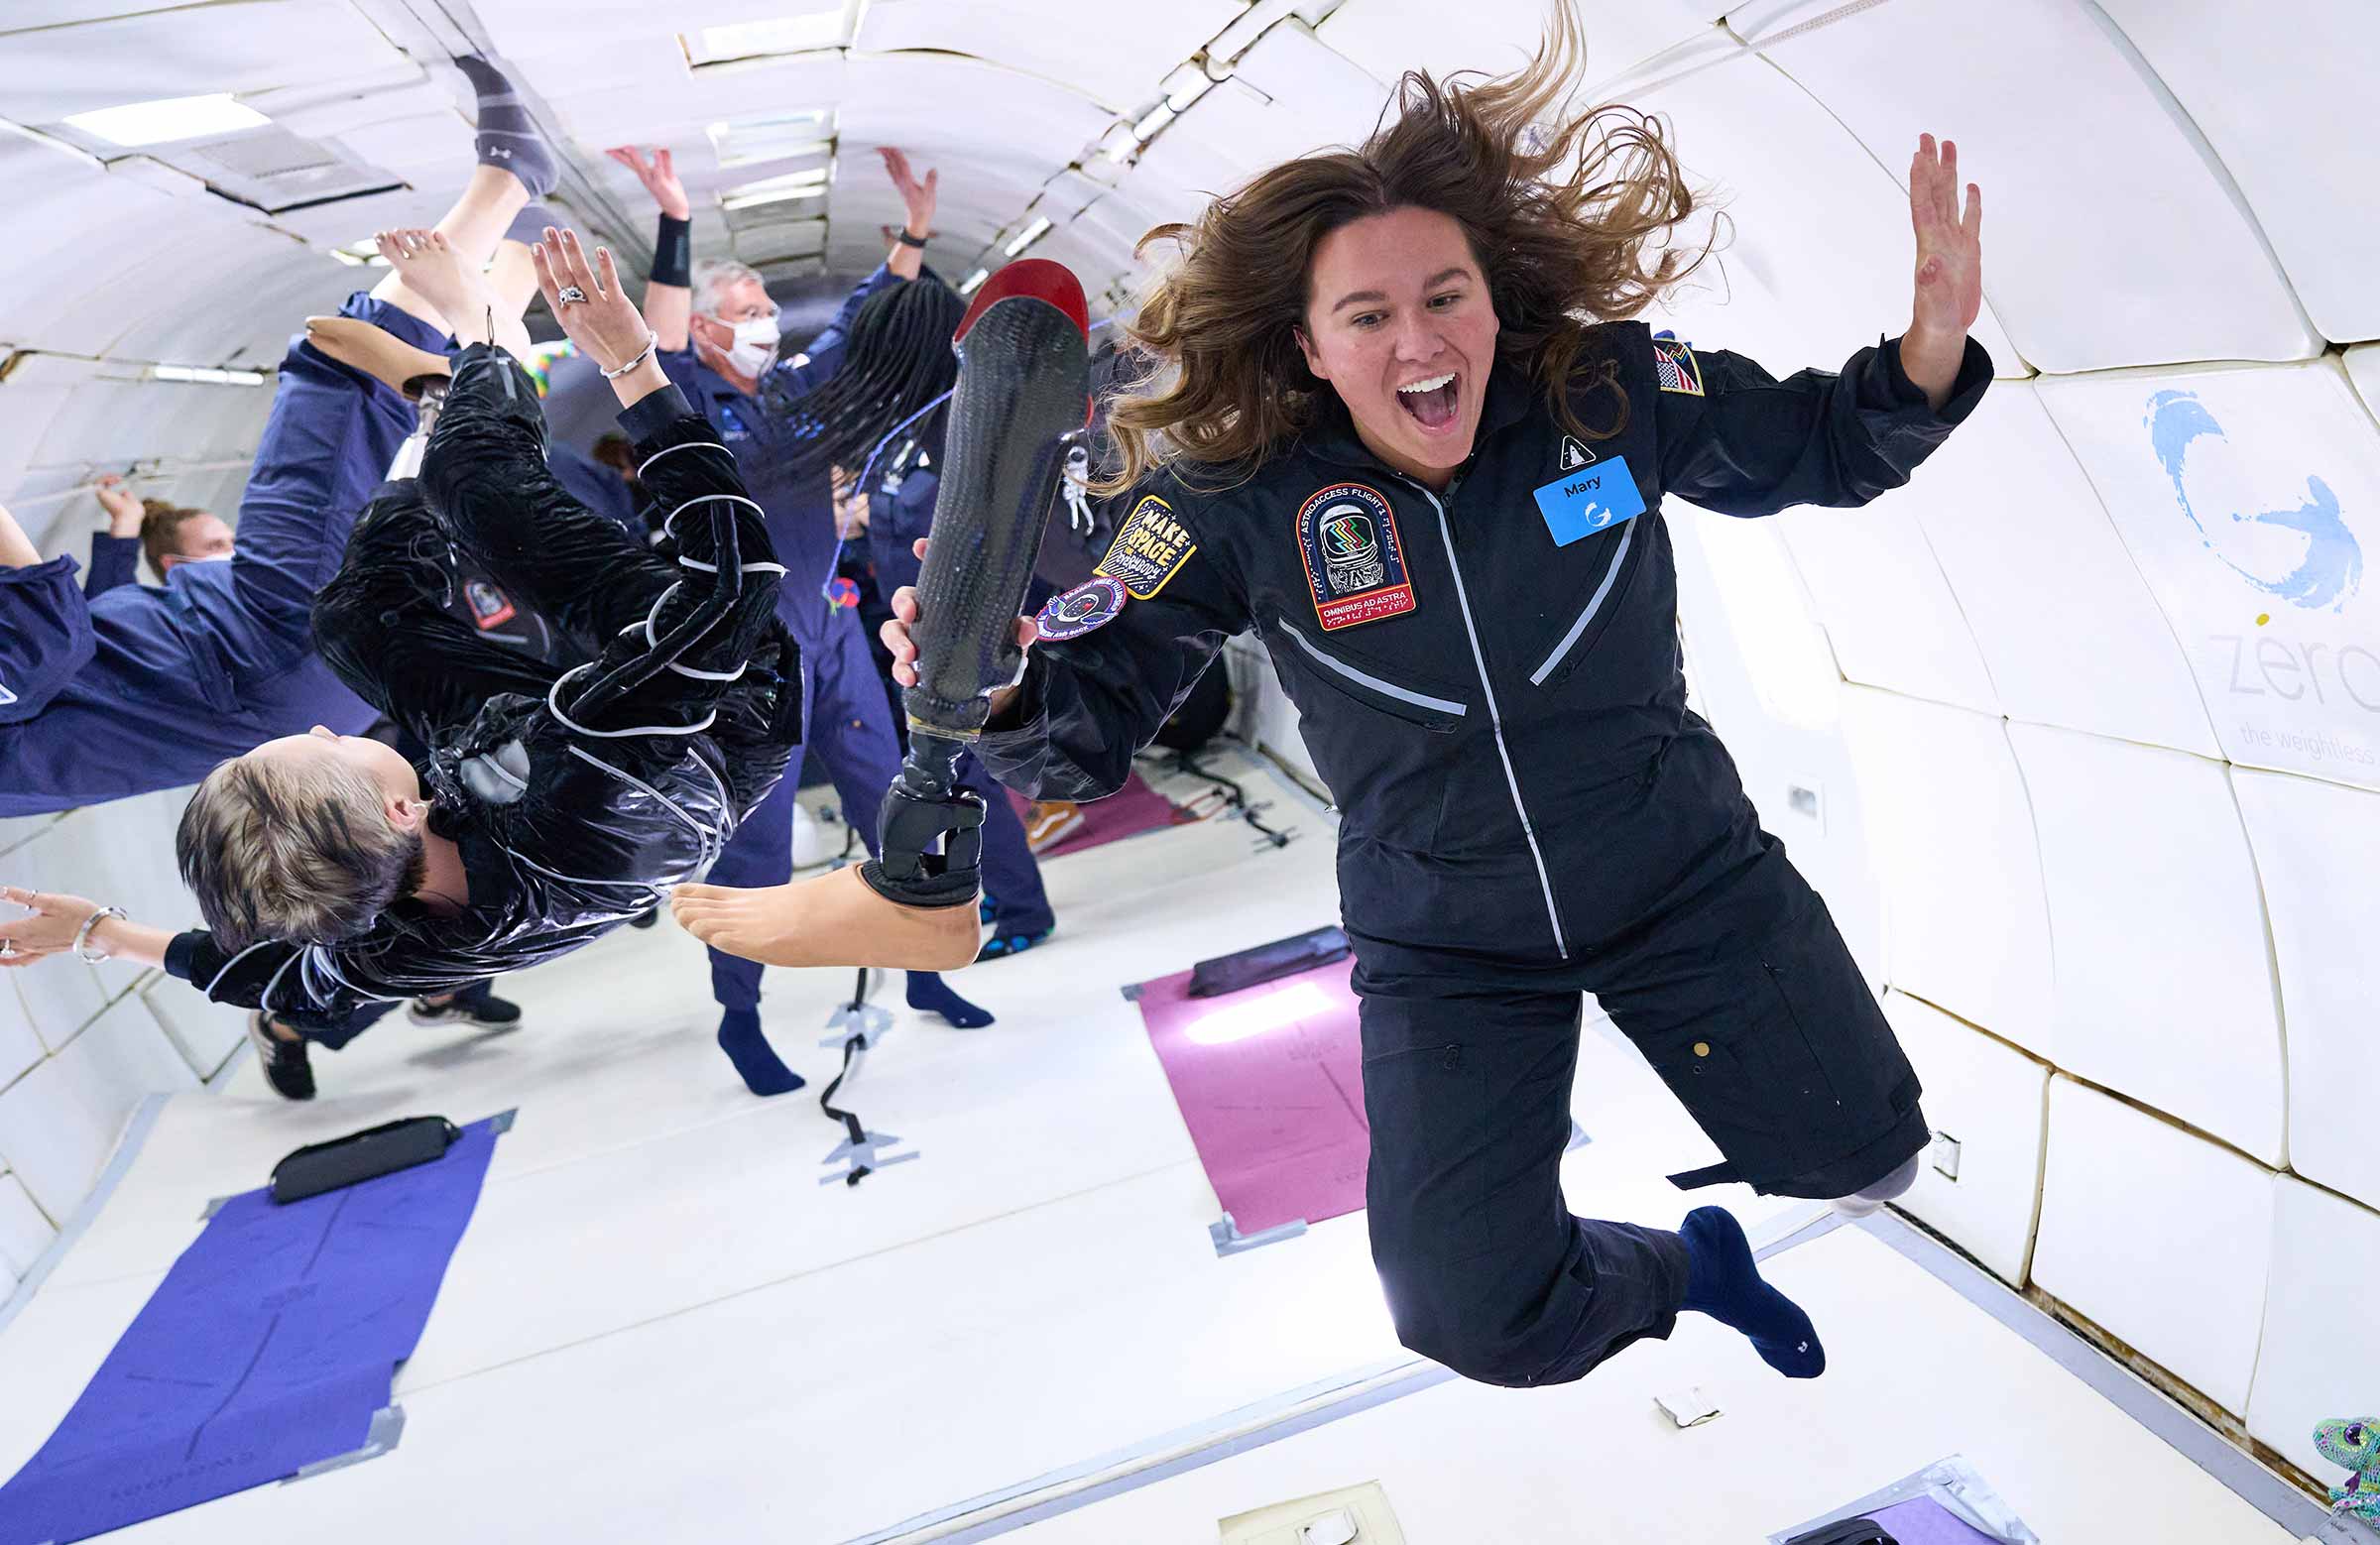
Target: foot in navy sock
<point>1723,1283</point>
<point>741,1038</point>
<point>931,995</point>
<point>507,139</point>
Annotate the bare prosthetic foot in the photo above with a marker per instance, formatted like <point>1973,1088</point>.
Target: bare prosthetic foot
<point>836,919</point>
<point>430,268</point>
<point>376,352</point>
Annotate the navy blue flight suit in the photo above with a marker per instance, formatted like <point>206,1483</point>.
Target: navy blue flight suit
<point>900,509</point>
<point>115,560</point>
<point>147,687</point>
<point>1494,696</point>
<point>845,719</point>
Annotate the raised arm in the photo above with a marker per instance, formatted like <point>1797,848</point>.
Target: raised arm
<point>908,258</point>
<point>668,291</point>
<point>15,548</point>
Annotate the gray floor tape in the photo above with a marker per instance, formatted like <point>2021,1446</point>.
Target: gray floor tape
<point>144,1121</point>
<point>1319,1405</point>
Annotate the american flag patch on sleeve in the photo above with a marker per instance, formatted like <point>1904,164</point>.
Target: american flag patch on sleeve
<point>1675,368</point>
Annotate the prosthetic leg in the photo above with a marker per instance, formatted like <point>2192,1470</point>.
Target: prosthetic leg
<point>1024,390</point>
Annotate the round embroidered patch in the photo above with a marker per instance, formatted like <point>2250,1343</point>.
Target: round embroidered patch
<point>1089,606</point>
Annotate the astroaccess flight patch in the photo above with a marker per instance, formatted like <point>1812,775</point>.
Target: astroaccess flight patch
<point>1089,606</point>
<point>1149,549</point>
<point>1355,563</point>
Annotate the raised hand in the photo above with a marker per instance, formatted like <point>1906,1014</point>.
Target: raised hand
<point>1949,246</point>
<point>917,196</point>
<point>49,927</point>
<point>660,178</point>
<point>588,299</point>
<point>124,511</point>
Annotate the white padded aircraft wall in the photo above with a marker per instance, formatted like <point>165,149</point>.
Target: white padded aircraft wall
<point>2080,733</point>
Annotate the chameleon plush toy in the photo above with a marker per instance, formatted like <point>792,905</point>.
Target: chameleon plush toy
<point>2356,1445</point>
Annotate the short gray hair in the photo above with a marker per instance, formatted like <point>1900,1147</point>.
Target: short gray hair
<point>295,853</point>
<point>712,279</point>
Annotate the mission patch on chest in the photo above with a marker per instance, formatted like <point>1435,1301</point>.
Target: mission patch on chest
<point>1354,561</point>
<point>1149,549</point>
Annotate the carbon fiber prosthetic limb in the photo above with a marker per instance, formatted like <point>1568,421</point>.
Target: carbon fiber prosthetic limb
<point>1023,395</point>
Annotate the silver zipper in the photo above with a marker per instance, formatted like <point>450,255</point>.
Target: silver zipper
<point>1595,604</point>
<point>1384,688</point>
<point>1496,720</point>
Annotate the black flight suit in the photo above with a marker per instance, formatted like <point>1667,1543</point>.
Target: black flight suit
<point>1530,811</point>
<point>568,827</point>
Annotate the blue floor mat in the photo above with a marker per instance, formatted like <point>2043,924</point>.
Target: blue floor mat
<point>268,1347</point>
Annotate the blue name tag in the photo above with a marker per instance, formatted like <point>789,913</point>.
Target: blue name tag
<point>1594,499</point>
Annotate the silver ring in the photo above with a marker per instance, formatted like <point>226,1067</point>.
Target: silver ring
<point>573,296</point>
<point>8,948</point>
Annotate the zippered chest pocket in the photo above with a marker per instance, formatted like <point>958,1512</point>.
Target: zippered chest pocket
<point>1608,575</point>
<point>1431,710</point>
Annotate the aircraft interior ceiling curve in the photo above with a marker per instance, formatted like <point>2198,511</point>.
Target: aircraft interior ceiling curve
<point>2078,734</point>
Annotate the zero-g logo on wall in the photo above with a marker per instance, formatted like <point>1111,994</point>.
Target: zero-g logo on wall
<point>2305,557</point>
<point>1355,563</point>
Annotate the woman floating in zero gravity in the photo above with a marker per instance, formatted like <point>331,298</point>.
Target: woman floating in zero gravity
<point>1407,434</point>
<point>556,804</point>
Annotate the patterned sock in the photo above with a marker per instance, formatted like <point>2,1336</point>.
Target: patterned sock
<point>741,1038</point>
<point>929,994</point>
<point>1723,1283</point>
<point>507,139</point>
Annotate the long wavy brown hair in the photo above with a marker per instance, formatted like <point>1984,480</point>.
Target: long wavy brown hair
<point>1564,212</point>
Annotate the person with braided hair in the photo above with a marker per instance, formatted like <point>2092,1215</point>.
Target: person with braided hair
<point>787,415</point>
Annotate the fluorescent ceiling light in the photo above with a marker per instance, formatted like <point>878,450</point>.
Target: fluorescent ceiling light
<point>207,375</point>
<point>1032,233</point>
<point>810,182</point>
<point>1118,144</point>
<point>175,118</point>
<point>823,28</point>
<point>974,280</point>
<point>1186,85</point>
<point>1305,1001</point>
<point>740,142</point>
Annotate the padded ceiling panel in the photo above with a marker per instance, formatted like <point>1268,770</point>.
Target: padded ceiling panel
<point>1115,55</point>
<point>30,399</point>
<point>2321,1337</point>
<point>1880,594</point>
<point>1290,94</point>
<point>2066,626</point>
<point>2163,990</point>
<point>2363,367</point>
<point>238,47</point>
<point>2317,849</point>
<point>105,224</point>
<point>2250,497</point>
<point>2129,1202</point>
<point>222,321</point>
<point>135,302</point>
<point>1819,253</point>
<point>1992,1099</point>
<point>650,97</point>
<point>2108,238</point>
<point>1950,834</point>
<point>1500,35</point>
<point>2282,89</point>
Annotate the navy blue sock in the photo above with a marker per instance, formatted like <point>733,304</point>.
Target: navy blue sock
<point>1723,1280</point>
<point>931,994</point>
<point>741,1038</point>
<point>507,139</point>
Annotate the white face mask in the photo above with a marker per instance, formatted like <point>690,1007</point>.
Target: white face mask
<point>755,346</point>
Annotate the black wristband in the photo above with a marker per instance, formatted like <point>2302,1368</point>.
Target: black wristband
<point>673,252</point>
<point>907,240</point>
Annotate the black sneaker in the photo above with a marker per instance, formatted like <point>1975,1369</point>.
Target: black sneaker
<point>493,1014</point>
<point>286,1067</point>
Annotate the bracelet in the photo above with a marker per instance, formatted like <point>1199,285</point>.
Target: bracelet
<point>907,240</point>
<point>653,341</point>
<point>82,935</point>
